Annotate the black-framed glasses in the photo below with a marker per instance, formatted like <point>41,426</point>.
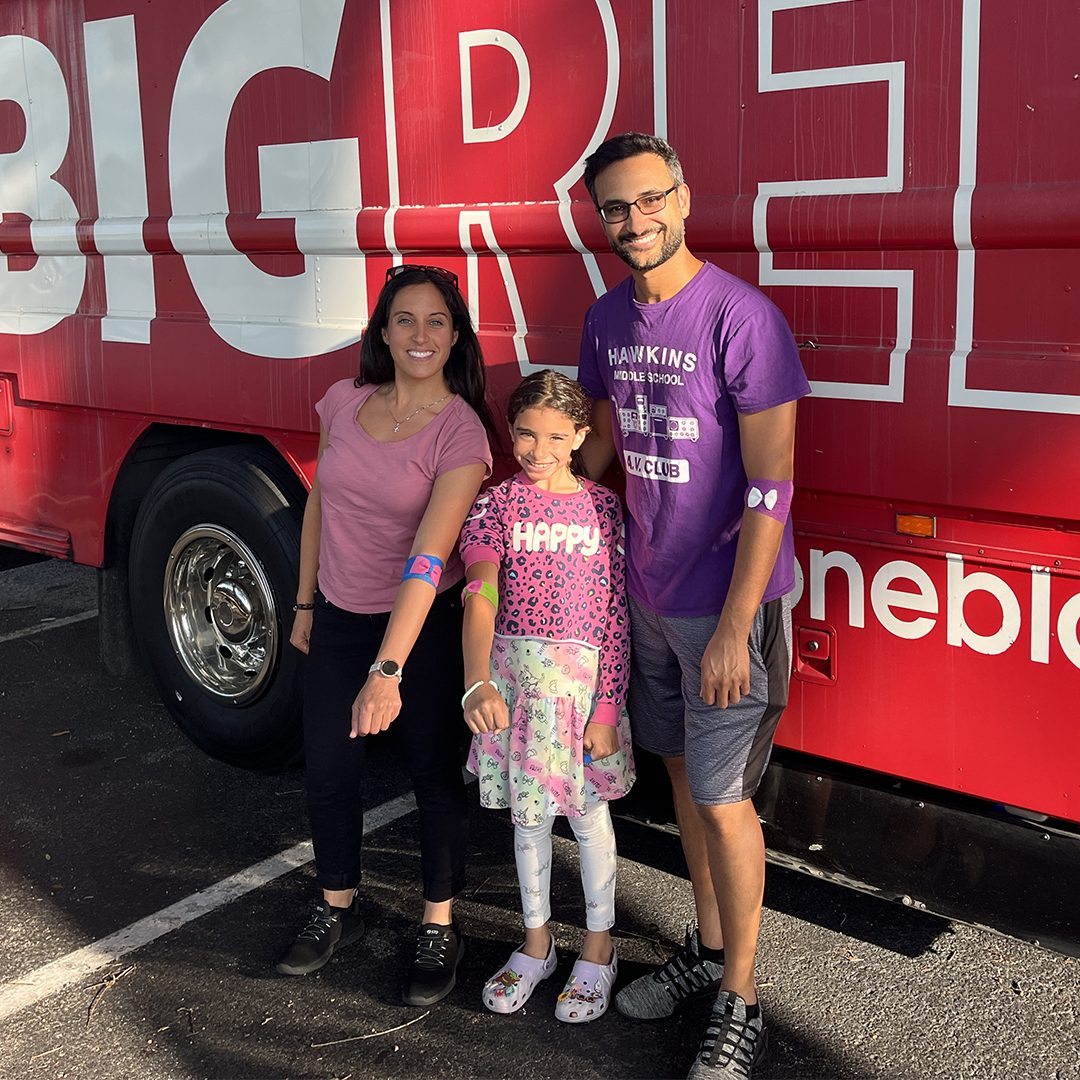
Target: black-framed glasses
<point>614,212</point>
<point>439,271</point>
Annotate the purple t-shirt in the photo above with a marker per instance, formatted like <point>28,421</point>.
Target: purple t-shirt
<point>678,373</point>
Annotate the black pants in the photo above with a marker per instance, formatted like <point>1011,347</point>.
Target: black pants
<point>427,733</point>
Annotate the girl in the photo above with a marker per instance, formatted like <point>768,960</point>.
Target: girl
<point>546,666</point>
<point>402,454</point>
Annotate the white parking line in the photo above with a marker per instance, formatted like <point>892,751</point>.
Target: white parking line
<point>54,624</point>
<point>29,989</point>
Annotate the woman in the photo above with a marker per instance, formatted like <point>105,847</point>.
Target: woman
<point>402,453</point>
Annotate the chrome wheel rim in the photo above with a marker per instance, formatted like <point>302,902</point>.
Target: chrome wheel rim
<point>220,613</point>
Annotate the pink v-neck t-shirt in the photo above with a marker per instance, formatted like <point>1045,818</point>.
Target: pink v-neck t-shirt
<point>374,495</point>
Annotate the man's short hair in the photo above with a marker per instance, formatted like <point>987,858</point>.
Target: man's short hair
<point>627,145</point>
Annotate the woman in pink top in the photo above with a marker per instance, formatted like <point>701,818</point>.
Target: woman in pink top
<point>546,667</point>
<point>402,453</point>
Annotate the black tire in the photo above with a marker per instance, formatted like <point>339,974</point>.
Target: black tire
<point>213,575</point>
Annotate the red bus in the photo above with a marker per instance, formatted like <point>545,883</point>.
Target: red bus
<point>199,199</point>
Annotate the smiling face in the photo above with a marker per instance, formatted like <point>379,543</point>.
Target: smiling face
<point>543,441</point>
<point>419,332</point>
<point>643,241</point>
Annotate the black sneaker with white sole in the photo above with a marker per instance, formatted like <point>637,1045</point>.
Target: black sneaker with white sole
<point>433,975</point>
<point>329,929</point>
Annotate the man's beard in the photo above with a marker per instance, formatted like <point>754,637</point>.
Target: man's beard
<point>672,241</point>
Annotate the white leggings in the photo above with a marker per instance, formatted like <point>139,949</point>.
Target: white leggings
<point>596,852</point>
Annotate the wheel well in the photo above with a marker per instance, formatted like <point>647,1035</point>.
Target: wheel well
<point>159,446</point>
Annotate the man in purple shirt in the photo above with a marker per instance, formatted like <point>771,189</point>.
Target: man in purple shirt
<point>695,376</point>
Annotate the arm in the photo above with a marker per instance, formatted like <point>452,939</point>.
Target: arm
<point>768,450</point>
<point>598,450</point>
<point>310,535</point>
<point>483,547</point>
<point>379,701</point>
<point>484,708</point>
<point>601,735</point>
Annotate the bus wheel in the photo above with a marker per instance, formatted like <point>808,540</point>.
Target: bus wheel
<point>213,574</point>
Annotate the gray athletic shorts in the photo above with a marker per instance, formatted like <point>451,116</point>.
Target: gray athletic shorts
<point>726,750</point>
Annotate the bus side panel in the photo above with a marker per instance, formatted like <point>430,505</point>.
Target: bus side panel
<point>955,671</point>
<point>57,468</point>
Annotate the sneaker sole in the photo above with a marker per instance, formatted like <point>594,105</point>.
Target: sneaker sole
<point>763,1042</point>
<point>432,999</point>
<point>707,994</point>
<point>306,969</point>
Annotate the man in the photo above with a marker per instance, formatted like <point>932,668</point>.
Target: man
<point>695,376</point>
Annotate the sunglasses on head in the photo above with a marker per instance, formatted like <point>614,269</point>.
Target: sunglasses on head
<point>447,275</point>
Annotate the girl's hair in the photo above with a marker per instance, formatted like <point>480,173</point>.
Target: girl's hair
<point>464,371</point>
<point>549,389</point>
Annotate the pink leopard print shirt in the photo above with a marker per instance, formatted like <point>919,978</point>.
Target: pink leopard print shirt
<point>562,570</point>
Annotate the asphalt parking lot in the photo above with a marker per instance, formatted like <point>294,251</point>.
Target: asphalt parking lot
<point>112,818</point>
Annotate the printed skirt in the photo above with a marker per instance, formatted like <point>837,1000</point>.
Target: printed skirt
<point>536,768</point>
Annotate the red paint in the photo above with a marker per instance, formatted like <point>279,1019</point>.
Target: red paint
<point>1000,475</point>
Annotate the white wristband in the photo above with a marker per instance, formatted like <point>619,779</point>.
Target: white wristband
<point>472,690</point>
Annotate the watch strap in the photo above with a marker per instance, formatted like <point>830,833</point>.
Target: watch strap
<point>377,668</point>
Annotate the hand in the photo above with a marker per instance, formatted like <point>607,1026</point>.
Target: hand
<point>300,638</point>
<point>376,706</point>
<point>725,669</point>
<point>485,710</point>
<point>600,740</point>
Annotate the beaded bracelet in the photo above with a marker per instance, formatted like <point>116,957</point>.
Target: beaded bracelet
<point>472,690</point>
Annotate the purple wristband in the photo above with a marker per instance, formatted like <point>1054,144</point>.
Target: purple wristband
<point>770,497</point>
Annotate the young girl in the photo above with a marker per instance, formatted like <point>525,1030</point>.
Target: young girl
<point>546,666</point>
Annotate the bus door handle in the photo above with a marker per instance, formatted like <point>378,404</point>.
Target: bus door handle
<point>815,654</point>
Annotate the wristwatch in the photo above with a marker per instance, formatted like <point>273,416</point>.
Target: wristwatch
<point>388,669</point>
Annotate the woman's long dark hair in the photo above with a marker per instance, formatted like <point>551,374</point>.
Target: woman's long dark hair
<point>464,371</point>
<point>549,389</point>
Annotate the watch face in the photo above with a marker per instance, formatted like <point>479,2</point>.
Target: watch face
<point>390,668</point>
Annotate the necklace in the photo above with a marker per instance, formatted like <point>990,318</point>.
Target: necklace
<point>406,419</point>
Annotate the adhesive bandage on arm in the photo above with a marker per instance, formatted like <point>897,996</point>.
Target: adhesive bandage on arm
<point>427,568</point>
<point>770,497</point>
<point>485,589</point>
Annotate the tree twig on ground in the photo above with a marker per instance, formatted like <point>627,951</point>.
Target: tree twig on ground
<point>99,988</point>
<point>480,887</point>
<point>372,1035</point>
<point>661,945</point>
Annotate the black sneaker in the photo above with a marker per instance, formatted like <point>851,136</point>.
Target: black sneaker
<point>682,980</point>
<point>329,929</point>
<point>733,1044</point>
<point>439,950</point>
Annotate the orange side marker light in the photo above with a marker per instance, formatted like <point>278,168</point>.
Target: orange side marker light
<point>915,525</point>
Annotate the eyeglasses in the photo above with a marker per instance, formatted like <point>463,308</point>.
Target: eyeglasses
<point>447,275</point>
<point>614,212</point>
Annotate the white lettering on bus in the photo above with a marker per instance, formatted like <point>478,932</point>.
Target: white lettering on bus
<point>886,601</point>
<point>472,39</point>
<point>33,301</point>
<point>310,313</point>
